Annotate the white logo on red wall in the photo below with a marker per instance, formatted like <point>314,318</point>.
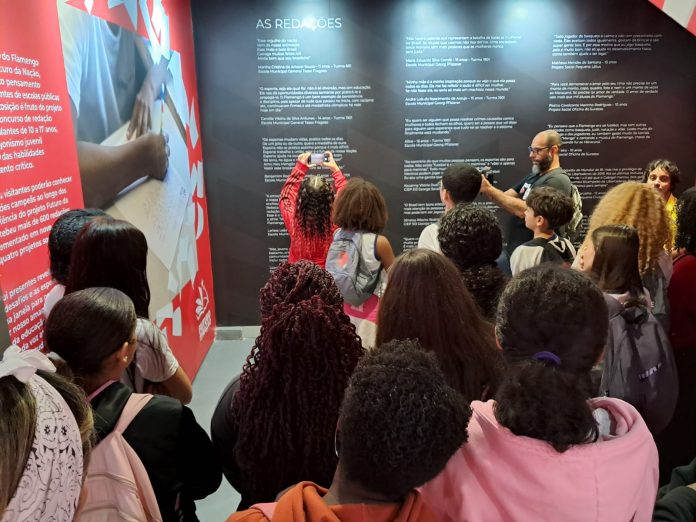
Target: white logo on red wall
<point>203,315</point>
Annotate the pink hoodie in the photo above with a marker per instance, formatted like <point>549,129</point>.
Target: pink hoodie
<point>499,476</point>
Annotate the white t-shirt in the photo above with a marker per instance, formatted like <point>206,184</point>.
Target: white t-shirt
<point>153,361</point>
<point>428,238</point>
<point>100,68</point>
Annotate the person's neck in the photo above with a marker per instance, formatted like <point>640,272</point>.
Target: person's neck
<point>92,384</point>
<point>544,235</point>
<point>555,164</point>
<point>667,196</point>
<point>343,492</point>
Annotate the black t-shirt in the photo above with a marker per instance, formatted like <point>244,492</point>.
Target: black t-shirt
<point>516,231</point>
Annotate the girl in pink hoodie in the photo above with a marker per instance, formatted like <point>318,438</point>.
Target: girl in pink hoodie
<point>544,450</point>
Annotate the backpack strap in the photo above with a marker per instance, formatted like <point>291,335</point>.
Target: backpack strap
<point>136,402</point>
<point>610,357</point>
<point>345,235</point>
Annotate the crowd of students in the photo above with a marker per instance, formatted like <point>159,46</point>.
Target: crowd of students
<point>434,385</point>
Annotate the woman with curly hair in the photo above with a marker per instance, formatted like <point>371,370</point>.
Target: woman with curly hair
<point>427,300</point>
<point>295,282</point>
<point>400,423</point>
<point>274,425</point>
<point>663,175</point>
<point>640,206</point>
<point>471,237</point>
<point>361,213</point>
<point>544,449</point>
<point>306,203</point>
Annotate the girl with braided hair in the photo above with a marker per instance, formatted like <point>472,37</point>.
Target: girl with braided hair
<point>306,203</point>
<point>274,425</point>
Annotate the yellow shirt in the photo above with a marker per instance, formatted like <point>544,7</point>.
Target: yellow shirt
<point>671,207</point>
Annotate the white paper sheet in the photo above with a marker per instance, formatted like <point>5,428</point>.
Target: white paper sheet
<point>158,207</point>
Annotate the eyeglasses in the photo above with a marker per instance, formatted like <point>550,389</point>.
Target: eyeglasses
<point>537,150</point>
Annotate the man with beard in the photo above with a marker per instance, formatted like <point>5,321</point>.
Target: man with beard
<point>546,171</point>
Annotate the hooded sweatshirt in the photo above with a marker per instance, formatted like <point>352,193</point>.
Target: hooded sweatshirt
<point>305,503</point>
<point>499,476</point>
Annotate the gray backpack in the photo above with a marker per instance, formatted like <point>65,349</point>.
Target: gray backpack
<point>344,262</point>
<point>639,364</point>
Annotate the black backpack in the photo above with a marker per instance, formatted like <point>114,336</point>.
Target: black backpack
<point>639,364</point>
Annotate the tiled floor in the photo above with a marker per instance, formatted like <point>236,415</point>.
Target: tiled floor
<point>223,362</point>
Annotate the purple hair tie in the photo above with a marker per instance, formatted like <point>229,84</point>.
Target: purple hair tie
<point>547,356</point>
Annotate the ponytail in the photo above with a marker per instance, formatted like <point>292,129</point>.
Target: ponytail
<point>542,401</point>
<point>552,326</point>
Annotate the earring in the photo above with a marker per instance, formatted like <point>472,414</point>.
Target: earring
<point>125,359</point>
<point>336,443</point>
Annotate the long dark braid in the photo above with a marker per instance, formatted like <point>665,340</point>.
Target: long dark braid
<point>314,205</point>
<point>290,395</point>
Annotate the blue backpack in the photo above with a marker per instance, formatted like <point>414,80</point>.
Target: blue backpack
<point>344,262</point>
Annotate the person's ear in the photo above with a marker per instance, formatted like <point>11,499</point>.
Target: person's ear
<point>445,196</point>
<point>124,355</point>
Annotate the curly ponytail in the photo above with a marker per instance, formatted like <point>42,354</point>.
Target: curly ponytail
<point>555,310</point>
<point>544,402</point>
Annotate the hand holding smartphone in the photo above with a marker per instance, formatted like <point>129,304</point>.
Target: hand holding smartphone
<point>487,172</point>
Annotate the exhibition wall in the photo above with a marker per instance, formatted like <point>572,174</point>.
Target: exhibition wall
<point>73,75</point>
<point>400,89</point>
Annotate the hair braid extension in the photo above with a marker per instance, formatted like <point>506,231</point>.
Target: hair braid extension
<point>290,395</point>
<point>314,206</point>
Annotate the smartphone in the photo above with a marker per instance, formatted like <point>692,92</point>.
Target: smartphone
<point>487,172</point>
<point>317,158</point>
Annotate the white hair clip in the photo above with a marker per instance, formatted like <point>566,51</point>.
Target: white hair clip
<point>50,485</point>
<point>23,364</point>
